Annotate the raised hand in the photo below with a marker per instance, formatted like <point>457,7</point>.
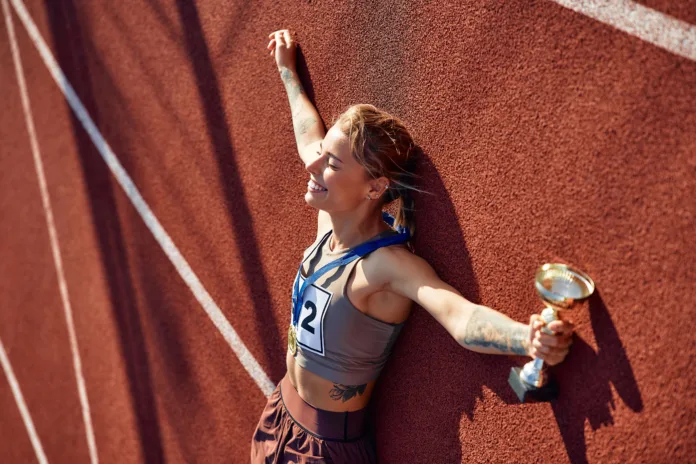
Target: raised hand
<point>283,46</point>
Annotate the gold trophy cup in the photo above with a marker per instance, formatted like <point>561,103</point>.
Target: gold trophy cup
<point>561,288</point>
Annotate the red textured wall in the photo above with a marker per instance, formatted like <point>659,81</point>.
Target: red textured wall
<point>546,135</point>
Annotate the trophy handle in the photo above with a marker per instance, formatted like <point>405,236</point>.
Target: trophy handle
<point>549,314</point>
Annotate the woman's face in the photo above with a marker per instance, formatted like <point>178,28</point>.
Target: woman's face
<point>346,181</point>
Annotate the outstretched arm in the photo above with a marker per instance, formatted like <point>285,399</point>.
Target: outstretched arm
<point>476,327</point>
<point>306,121</point>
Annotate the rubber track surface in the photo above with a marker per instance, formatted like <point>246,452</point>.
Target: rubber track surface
<point>546,136</point>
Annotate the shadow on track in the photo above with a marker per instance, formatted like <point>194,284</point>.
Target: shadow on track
<point>428,400</point>
<point>589,375</point>
<point>67,36</point>
<point>219,134</point>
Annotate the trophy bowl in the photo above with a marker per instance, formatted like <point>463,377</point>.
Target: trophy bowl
<point>561,288</point>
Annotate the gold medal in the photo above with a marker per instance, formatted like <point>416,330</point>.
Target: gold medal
<point>292,340</point>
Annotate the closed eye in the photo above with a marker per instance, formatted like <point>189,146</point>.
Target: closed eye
<point>335,168</point>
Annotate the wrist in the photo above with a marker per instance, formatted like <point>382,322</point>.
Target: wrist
<point>287,69</point>
<point>527,348</point>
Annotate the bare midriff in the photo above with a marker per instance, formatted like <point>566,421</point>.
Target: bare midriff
<point>320,392</point>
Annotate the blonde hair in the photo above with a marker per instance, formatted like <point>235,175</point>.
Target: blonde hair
<point>381,143</point>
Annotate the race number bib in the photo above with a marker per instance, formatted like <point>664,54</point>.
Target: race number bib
<point>310,328</point>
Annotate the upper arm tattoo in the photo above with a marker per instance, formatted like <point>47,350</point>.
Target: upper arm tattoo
<point>489,329</point>
<point>302,126</point>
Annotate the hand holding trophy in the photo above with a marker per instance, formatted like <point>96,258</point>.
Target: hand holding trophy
<point>561,288</point>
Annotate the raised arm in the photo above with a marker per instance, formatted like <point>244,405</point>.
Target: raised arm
<point>306,121</point>
<point>476,327</point>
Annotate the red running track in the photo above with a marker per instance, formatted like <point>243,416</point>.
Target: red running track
<point>546,135</point>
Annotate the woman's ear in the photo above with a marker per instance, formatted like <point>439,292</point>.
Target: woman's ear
<point>378,186</point>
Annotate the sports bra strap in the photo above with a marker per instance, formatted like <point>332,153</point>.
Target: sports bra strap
<point>355,253</point>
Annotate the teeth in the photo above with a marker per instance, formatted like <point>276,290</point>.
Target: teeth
<point>315,186</point>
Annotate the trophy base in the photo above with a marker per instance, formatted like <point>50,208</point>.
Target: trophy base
<point>529,393</point>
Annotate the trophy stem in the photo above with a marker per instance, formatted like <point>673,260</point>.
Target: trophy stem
<point>533,373</point>
<point>538,364</point>
<point>549,314</point>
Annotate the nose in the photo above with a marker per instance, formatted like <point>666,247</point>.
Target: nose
<point>313,165</point>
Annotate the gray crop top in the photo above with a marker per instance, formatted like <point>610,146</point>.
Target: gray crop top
<point>335,340</point>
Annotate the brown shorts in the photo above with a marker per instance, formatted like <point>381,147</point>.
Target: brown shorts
<point>292,430</point>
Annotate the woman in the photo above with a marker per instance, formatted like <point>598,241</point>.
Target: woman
<point>357,282</point>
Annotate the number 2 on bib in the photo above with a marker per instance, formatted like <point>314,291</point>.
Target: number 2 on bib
<point>310,330</point>
<point>310,317</point>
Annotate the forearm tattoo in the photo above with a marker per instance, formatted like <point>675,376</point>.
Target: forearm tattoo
<point>489,329</point>
<point>346,392</point>
<point>301,123</point>
<point>292,85</point>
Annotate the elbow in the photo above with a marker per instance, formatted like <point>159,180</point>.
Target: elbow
<point>461,330</point>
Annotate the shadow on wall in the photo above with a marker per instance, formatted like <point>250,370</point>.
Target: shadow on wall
<point>590,373</point>
<point>427,402</point>
<point>304,77</point>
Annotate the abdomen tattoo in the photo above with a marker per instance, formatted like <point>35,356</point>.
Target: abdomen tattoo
<point>346,392</point>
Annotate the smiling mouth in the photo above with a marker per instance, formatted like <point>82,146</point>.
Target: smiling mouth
<point>314,187</point>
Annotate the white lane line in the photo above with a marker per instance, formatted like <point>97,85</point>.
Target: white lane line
<point>211,308</point>
<point>55,247</point>
<point>657,28</point>
<point>14,385</point>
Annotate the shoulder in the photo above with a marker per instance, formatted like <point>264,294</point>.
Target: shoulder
<point>314,244</point>
<point>397,270</point>
<point>388,266</point>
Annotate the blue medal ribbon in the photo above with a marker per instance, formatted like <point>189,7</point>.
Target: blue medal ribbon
<point>353,254</point>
